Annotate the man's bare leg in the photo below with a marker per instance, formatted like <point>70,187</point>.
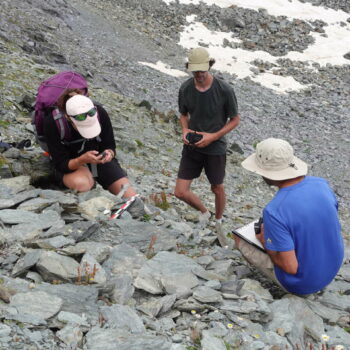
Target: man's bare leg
<point>220,201</point>
<point>183,192</point>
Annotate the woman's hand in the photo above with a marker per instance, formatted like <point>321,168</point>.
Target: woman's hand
<point>105,156</point>
<point>89,157</point>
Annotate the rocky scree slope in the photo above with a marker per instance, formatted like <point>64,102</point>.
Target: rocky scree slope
<point>74,279</point>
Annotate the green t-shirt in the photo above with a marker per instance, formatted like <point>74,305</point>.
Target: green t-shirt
<point>208,110</point>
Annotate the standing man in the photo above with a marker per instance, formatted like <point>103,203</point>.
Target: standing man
<point>208,108</point>
<point>301,231</point>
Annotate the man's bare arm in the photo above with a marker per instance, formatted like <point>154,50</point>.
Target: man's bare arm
<point>184,118</point>
<point>287,261</point>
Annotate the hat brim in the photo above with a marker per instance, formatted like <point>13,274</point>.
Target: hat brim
<point>299,169</point>
<point>90,130</point>
<point>198,67</point>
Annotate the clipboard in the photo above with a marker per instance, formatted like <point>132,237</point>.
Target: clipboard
<point>247,233</point>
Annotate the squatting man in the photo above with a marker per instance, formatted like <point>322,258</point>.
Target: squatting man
<point>301,232</point>
<point>208,111</point>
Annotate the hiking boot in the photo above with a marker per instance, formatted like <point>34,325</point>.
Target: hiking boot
<point>138,209</point>
<point>220,233</point>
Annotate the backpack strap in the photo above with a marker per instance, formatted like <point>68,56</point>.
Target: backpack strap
<point>64,129</point>
<point>61,123</point>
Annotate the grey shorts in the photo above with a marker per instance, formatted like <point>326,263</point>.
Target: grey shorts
<point>259,260</point>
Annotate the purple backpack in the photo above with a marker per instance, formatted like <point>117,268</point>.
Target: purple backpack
<point>45,104</point>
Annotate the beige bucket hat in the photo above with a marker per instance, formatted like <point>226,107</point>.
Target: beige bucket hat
<point>274,159</point>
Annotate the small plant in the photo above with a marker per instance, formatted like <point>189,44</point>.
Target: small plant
<point>160,200</point>
<point>228,346</point>
<point>139,143</point>
<point>101,320</point>
<point>166,173</point>
<point>146,217</point>
<point>195,335</point>
<point>89,276</point>
<point>255,144</point>
<point>4,124</point>
<point>150,250</point>
<point>2,162</point>
<point>56,282</point>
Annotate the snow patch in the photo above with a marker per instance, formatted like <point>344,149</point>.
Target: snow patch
<point>329,48</point>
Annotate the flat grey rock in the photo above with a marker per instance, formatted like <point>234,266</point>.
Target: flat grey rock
<point>249,286</point>
<point>206,295</point>
<point>123,258</point>
<point>296,319</point>
<point>14,216</point>
<point>69,317</point>
<point>71,335</point>
<point>113,339</point>
<point>37,303</point>
<point>169,271</point>
<point>138,234</point>
<point>123,289</point>
<point>53,266</point>
<point>154,306</point>
<point>209,342</point>
<point>100,251</point>
<point>36,204</point>
<point>10,200</point>
<point>16,184</point>
<point>25,263</point>
<point>123,317</point>
<point>56,242</point>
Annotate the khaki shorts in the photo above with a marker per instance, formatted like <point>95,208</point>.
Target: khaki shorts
<point>259,260</point>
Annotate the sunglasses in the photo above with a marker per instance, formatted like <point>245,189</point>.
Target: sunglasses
<point>82,116</point>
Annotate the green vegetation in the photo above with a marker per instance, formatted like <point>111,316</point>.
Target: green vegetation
<point>139,143</point>
<point>146,218</point>
<point>2,162</point>
<point>228,346</point>
<point>160,200</point>
<point>4,124</point>
<point>255,144</point>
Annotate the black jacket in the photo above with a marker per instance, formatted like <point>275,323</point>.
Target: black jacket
<point>61,153</point>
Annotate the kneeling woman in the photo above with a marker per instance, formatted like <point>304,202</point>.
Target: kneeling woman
<point>90,153</point>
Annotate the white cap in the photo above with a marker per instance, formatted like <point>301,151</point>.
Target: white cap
<point>88,128</point>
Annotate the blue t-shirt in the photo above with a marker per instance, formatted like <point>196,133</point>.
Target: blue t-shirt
<point>304,217</point>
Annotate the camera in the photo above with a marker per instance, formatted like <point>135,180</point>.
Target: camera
<point>257,226</point>
<point>193,137</point>
<point>103,154</point>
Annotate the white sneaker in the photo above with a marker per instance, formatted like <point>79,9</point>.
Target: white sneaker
<point>203,218</point>
<point>220,233</point>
